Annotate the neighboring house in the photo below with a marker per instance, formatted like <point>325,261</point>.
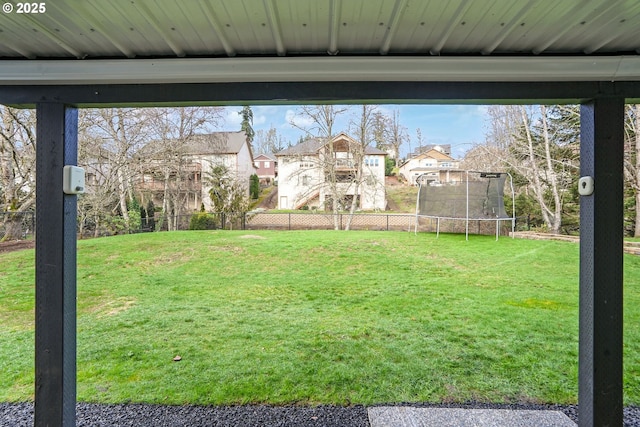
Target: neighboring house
<point>267,168</point>
<point>435,166</point>
<point>179,169</point>
<point>443,148</point>
<point>304,178</point>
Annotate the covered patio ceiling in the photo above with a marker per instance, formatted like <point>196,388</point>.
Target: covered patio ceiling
<point>164,41</point>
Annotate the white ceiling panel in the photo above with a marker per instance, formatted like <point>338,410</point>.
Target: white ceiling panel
<point>165,29</point>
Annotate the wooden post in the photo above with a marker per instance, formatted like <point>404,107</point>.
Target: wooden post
<point>601,264</point>
<point>55,347</point>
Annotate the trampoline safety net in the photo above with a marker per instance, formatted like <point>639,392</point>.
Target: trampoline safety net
<point>479,197</point>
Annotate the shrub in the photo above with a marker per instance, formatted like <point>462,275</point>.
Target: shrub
<point>202,221</point>
<point>254,186</point>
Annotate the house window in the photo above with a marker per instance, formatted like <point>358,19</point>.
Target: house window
<point>445,164</point>
<point>371,161</point>
<point>305,180</point>
<point>266,164</point>
<point>256,164</point>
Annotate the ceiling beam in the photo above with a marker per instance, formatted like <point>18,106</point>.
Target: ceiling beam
<point>159,27</point>
<point>585,10</point>
<point>342,92</point>
<point>274,23</point>
<point>104,31</point>
<point>334,26</point>
<point>514,23</point>
<point>451,26</point>
<point>53,37</point>
<point>393,25</point>
<point>623,29</point>
<point>218,29</point>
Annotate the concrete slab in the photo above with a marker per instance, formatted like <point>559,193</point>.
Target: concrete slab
<point>403,416</point>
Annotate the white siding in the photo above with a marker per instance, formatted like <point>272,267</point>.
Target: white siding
<point>299,180</point>
<point>293,191</point>
<point>373,195</point>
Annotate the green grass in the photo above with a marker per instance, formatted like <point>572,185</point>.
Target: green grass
<point>316,317</point>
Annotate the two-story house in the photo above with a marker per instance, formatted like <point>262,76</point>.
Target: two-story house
<point>266,168</point>
<point>434,165</point>
<point>179,169</point>
<point>315,171</point>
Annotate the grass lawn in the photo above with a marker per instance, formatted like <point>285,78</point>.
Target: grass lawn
<point>316,317</point>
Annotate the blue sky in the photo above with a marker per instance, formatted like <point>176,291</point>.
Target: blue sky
<point>462,126</point>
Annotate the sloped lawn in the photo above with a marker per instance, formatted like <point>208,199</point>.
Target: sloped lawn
<point>316,317</point>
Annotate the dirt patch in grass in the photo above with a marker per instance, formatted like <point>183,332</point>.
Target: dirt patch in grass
<point>112,307</point>
<point>16,245</point>
<point>252,236</point>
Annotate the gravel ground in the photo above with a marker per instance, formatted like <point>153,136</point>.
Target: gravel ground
<point>129,415</point>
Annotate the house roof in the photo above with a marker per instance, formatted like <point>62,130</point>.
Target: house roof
<point>269,156</point>
<point>434,154</point>
<point>216,143</point>
<point>443,148</point>
<point>430,154</point>
<point>202,144</point>
<point>312,145</point>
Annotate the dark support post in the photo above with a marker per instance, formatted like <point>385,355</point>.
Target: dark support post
<point>601,240</point>
<point>55,352</point>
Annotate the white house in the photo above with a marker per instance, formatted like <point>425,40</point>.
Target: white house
<point>434,165</point>
<point>310,173</point>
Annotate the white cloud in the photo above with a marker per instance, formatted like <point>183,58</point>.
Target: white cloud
<point>232,119</point>
<point>294,120</point>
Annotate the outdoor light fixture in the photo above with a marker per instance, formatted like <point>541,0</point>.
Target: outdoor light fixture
<point>73,180</point>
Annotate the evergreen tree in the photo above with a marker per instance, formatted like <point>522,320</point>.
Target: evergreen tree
<point>247,122</point>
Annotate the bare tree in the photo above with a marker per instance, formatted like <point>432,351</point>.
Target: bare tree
<point>268,142</point>
<point>98,206</point>
<point>363,128</point>
<point>321,120</point>
<point>17,167</point>
<point>169,134</point>
<point>419,140</point>
<point>318,120</point>
<point>396,135</point>
<point>632,159</point>
<point>524,141</point>
<point>114,135</point>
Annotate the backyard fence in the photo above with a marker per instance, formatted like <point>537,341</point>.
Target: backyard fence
<point>340,221</point>
<point>328,221</point>
<point>21,225</point>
